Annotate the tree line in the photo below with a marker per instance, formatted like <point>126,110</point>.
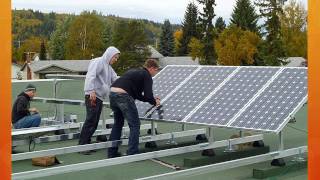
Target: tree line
<point>244,41</point>
<point>85,36</point>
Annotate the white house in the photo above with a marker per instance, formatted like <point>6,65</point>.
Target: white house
<point>38,69</point>
<point>15,71</point>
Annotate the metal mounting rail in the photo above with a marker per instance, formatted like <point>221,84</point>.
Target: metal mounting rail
<point>80,148</point>
<point>69,136</point>
<point>131,158</point>
<point>229,164</point>
<point>64,101</point>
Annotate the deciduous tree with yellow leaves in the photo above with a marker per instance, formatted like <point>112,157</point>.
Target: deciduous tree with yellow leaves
<point>177,38</point>
<point>236,46</point>
<point>196,49</point>
<point>293,29</point>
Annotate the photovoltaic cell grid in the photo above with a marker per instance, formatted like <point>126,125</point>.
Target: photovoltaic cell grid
<point>165,82</point>
<point>270,111</point>
<point>232,96</point>
<point>191,94</point>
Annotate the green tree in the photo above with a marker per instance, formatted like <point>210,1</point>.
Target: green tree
<point>130,39</point>
<point>48,25</point>
<point>189,29</point>
<point>107,35</point>
<point>177,38</point>
<point>220,25</point>
<point>244,16</point>
<point>167,40</point>
<point>207,30</point>
<point>236,46</point>
<point>272,52</point>
<point>85,37</point>
<point>57,43</point>
<point>24,25</point>
<point>30,45</point>
<point>293,29</point>
<point>27,23</point>
<point>43,51</point>
<point>196,49</point>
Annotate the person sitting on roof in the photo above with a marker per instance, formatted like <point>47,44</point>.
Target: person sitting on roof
<point>22,115</point>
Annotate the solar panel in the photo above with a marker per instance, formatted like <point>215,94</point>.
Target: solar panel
<point>271,110</point>
<point>191,93</point>
<point>255,98</point>
<point>219,109</point>
<point>165,82</point>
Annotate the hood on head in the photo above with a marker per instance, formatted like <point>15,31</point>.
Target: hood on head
<point>109,53</point>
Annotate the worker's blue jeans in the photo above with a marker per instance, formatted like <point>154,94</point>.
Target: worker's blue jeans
<point>92,120</point>
<point>124,107</point>
<point>28,121</point>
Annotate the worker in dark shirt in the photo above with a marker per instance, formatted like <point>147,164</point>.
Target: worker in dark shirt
<point>22,115</point>
<point>134,84</point>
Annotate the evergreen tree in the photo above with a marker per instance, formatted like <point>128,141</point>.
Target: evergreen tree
<point>207,39</point>
<point>189,29</point>
<point>129,37</point>
<point>57,43</point>
<point>48,25</point>
<point>43,51</point>
<point>220,25</point>
<point>107,35</point>
<point>244,16</point>
<point>166,39</point>
<point>272,52</point>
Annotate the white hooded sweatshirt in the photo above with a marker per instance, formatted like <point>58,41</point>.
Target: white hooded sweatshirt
<point>100,74</point>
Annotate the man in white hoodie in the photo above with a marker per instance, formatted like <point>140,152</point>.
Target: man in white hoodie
<point>97,84</point>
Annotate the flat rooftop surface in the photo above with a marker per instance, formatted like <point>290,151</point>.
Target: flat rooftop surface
<point>295,135</point>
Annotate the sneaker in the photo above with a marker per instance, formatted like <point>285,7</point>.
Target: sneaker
<point>101,138</point>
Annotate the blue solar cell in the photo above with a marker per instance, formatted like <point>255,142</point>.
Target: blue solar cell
<point>232,96</point>
<point>271,109</point>
<point>193,92</point>
<point>166,81</point>
<point>205,95</point>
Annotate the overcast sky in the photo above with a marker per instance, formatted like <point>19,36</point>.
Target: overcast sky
<point>155,10</point>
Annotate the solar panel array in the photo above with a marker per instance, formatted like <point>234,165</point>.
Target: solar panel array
<point>270,110</point>
<point>232,96</point>
<point>193,92</point>
<point>256,98</point>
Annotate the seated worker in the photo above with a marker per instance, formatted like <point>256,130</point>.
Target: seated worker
<point>134,84</point>
<point>22,115</point>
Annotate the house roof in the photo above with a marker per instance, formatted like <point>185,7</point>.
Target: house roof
<point>69,65</point>
<point>295,62</point>
<point>154,53</point>
<point>179,60</point>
